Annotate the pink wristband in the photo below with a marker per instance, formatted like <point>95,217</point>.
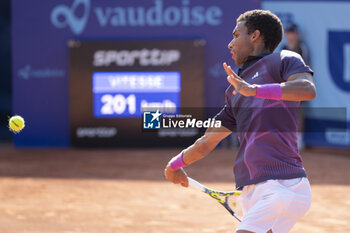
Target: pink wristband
<point>177,162</point>
<point>271,91</point>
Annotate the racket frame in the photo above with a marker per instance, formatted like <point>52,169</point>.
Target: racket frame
<point>215,194</point>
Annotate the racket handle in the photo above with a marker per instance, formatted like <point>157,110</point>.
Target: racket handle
<point>195,184</point>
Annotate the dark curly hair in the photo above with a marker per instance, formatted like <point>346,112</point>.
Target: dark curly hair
<point>267,23</point>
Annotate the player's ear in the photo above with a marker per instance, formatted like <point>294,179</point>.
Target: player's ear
<point>255,36</point>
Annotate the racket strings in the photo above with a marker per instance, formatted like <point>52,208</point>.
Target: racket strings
<point>234,204</point>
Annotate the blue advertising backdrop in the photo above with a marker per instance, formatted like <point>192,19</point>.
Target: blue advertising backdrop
<point>325,28</point>
<point>42,29</point>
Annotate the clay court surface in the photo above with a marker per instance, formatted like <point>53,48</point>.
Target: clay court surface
<point>124,191</point>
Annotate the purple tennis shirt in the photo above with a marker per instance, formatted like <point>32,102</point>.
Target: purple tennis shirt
<point>267,129</point>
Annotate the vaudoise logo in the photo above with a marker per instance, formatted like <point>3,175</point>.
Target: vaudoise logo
<point>185,14</point>
<point>76,24</point>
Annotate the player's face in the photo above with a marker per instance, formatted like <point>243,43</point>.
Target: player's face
<point>240,46</point>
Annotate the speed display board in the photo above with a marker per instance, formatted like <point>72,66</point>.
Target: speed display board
<point>124,94</point>
<point>111,82</point>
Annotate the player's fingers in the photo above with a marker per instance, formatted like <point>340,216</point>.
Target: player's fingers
<point>179,179</point>
<point>227,69</point>
<point>233,81</point>
<point>237,79</point>
<point>184,183</point>
<point>170,175</point>
<point>237,90</point>
<point>234,74</point>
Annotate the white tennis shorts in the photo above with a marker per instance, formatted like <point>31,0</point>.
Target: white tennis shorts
<point>274,204</point>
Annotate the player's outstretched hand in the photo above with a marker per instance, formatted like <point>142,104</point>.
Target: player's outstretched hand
<point>238,83</point>
<point>177,177</point>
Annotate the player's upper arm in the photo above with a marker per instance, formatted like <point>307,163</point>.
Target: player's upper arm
<point>205,144</point>
<point>211,138</point>
<point>301,76</point>
<point>215,135</point>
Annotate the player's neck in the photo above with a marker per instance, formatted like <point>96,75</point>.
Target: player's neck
<point>259,49</point>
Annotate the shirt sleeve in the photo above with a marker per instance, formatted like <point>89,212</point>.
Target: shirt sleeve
<point>226,116</point>
<point>292,63</point>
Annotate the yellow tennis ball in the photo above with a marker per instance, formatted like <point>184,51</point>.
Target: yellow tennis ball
<point>16,124</point>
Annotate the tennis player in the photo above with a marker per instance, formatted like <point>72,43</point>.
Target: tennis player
<point>261,104</point>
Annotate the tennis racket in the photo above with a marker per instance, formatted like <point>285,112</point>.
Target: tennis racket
<point>226,199</point>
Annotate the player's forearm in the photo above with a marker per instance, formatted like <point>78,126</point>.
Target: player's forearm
<point>201,148</point>
<point>193,153</point>
<point>298,90</point>
<point>298,87</point>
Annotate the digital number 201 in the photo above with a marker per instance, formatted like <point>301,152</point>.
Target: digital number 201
<point>118,104</point>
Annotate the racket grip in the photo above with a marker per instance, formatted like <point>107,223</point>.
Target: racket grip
<point>195,184</point>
